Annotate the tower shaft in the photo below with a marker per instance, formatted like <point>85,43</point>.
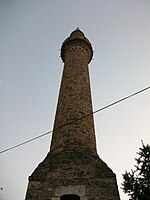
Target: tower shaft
<point>72,130</point>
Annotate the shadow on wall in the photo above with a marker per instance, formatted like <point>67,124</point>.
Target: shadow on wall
<point>70,197</point>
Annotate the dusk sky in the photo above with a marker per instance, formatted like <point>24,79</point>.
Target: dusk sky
<point>32,32</point>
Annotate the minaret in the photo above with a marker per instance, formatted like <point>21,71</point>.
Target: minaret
<point>72,168</point>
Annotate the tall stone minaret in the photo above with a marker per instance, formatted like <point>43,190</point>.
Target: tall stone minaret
<point>72,168</point>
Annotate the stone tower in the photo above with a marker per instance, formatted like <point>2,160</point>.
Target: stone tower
<point>72,169</point>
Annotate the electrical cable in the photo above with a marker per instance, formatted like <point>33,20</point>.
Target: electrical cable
<point>96,111</point>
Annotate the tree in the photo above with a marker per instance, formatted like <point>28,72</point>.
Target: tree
<point>137,182</point>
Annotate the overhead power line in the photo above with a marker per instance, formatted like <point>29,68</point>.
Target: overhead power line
<point>96,111</point>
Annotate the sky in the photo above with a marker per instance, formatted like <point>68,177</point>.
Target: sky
<point>32,32</point>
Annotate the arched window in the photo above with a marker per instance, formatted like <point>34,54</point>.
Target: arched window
<point>69,197</point>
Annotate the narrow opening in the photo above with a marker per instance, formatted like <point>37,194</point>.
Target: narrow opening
<point>69,197</point>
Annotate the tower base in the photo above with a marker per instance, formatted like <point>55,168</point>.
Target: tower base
<point>72,175</point>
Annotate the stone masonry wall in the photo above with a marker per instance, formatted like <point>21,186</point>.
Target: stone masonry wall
<point>62,172</point>
<point>74,102</point>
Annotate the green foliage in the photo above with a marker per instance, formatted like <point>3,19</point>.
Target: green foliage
<point>137,182</point>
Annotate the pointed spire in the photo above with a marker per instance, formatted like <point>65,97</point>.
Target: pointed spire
<point>77,32</point>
